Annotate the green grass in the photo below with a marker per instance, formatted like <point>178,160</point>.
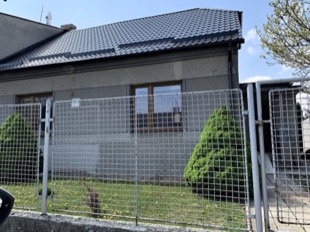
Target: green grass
<point>176,204</point>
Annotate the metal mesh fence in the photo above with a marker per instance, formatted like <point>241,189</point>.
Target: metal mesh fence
<point>20,152</point>
<point>290,129</point>
<point>171,158</point>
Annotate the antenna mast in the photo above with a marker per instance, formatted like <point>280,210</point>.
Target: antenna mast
<point>41,13</point>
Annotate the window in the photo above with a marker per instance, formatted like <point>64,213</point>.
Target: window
<point>157,107</point>
<point>37,98</point>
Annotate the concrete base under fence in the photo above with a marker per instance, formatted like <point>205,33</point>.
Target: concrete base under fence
<point>34,222</point>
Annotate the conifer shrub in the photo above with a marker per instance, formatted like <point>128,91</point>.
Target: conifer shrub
<point>18,150</point>
<point>216,168</point>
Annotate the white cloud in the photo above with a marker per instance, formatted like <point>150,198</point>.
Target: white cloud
<point>251,50</point>
<point>252,42</point>
<point>251,36</point>
<point>256,78</point>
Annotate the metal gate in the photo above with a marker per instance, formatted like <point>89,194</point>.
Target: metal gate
<point>285,168</point>
<point>290,130</point>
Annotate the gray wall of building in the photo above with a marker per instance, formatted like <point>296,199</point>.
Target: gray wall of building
<point>14,27</point>
<point>205,69</point>
<point>101,135</point>
<point>96,138</point>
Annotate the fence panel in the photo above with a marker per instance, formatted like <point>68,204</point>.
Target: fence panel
<point>290,129</point>
<point>130,158</point>
<point>20,153</point>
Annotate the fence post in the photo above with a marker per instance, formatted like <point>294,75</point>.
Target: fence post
<point>136,172</point>
<point>45,154</point>
<point>255,172</point>
<point>262,154</point>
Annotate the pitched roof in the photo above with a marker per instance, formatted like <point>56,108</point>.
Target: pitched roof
<point>190,28</point>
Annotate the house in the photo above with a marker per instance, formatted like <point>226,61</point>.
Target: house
<point>186,51</point>
<point>192,50</point>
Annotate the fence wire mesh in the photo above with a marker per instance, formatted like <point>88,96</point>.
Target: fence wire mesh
<point>170,158</point>
<point>20,152</point>
<point>290,129</point>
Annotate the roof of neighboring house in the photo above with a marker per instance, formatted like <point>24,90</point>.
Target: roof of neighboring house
<point>190,28</point>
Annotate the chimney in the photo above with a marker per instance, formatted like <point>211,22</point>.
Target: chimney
<point>68,27</point>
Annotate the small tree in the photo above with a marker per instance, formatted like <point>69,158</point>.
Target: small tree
<point>18,150</point>
<point>217,165</point>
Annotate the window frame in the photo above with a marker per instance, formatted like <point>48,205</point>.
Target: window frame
<point>151,106</point>
<point>32,97</point>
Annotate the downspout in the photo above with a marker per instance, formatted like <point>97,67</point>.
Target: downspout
<point>230,67</point>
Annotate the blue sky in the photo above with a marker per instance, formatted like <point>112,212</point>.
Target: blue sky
<point>92,13</point>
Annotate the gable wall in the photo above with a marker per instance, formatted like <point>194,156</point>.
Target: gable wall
<point>13,27</point>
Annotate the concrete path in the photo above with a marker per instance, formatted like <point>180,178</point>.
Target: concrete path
<point>289,205</point>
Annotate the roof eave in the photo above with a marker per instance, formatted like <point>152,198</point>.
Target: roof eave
<point>235,42</point>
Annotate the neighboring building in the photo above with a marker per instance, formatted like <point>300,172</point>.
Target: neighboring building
<point>186,51</point>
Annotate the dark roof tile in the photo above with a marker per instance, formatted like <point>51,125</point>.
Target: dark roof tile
<point>196,27</point>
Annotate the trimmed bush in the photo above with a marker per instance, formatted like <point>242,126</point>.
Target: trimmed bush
<point>216,167</point>
<point>18,150</point>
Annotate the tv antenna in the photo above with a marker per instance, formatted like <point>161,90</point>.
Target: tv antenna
<point>41,13</point>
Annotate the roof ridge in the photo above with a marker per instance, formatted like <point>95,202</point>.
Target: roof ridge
<point>219,9</point>
<point>153,16</point>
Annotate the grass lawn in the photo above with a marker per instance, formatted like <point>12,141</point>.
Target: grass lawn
<point>176,204</point>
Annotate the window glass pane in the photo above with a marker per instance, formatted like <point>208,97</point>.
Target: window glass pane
<point>170,101</point>
<point>167,106</point>
<point>141,100</point>
<point>42,99</point>
<point>141,107</point>
<point>167,89</point>
<point>25,100</point>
